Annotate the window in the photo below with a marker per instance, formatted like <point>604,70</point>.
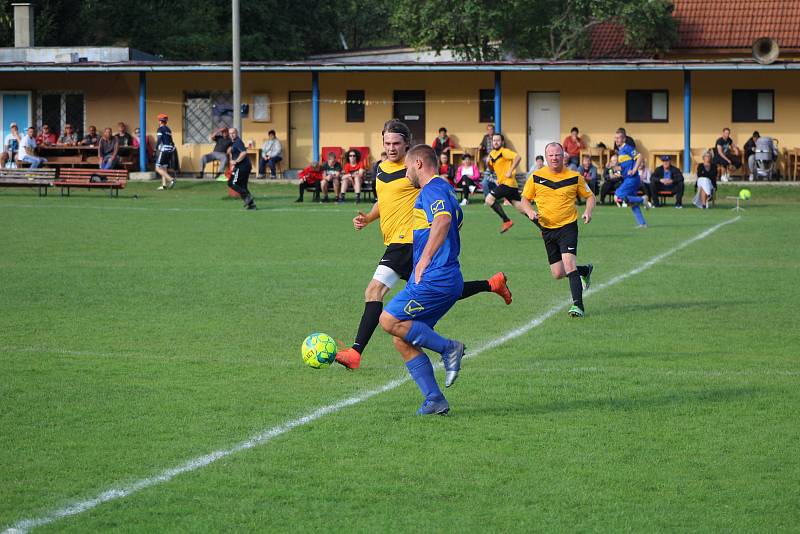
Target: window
<point>753,105</point>
<point>261,108</point>
<point>355,106</point>
<point>486,105</point>
<point>57,109</point>
<point>646,106</point>
<point>205,112</point>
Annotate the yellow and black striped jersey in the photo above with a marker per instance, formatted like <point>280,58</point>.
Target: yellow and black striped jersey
<point>396,197</point>
<point>501,161</point>
<point>555,195</point>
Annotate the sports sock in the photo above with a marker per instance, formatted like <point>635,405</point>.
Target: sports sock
<point>421,371</point>
<point>500,211</point>
<point>474,286</point>
<point>368,324</point>
<point>635,200</point>
<point>422,335</point>
<point>583,270</point>
<point>637,212</point>
<point>576,288</point>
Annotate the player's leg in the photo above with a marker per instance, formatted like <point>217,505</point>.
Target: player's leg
<point>496,284</point>
<point>357,179</point>
<point>326,182</point>
<point>421,370</point>
<point>492,200</point>
<point>301,190</point>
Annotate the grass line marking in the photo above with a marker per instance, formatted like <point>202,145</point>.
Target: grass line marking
<point>267,435</point>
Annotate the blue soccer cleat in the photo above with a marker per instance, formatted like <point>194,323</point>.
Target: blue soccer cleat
<point>434,407</point>
<point>451,358</point>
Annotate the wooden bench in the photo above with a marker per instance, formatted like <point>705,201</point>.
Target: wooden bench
<point>41,178</point>
<point>115,179</point>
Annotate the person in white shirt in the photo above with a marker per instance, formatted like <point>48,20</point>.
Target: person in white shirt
<point>10,145</point>
<point>271,154</point>
<point>27,150</point>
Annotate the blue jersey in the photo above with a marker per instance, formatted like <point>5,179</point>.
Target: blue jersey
<point>164,137</point>
<point>443,274</point>
<point>626,156</point>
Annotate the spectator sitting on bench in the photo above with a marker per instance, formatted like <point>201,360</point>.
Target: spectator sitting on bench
<point>442,144</point>
<point>645,176</point>
<point>667,178</point>
<point>46,137</point>
<point>311,176</point>
<point>446,170</point>
<point>612,178</point>
<point>727,155</point>
<point>271,154</point>
<point>706,181</point>
<point>331,173</point>
<point>222,141</point>
<point>572,146</point>
<point>107,150</point>
<point>27,150</point>
<point>69,137</point>
<point>122,136</point>
<point>353,173</point>
<point>467,177</point>
<point>538,163</point>
<point>91,138</point>
<point>589,173</point>
<point>10,145</point>
<point>486,145</point>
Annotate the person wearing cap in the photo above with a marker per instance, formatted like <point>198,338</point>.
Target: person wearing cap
<point>165,148</point>
<point>10,145</point>
<point>667,177</point>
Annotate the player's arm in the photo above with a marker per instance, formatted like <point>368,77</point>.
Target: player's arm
<point>363,219</point>
<point>514,165</point>
<point>528,194</point>
<point>527,209</point>
<point>591,202</point>
<point>636,165</point>
<point>438,233</point>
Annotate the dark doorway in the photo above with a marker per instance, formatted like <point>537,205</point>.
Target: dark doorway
<point>409,107</point>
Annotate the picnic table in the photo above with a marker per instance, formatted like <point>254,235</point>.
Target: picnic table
<point>85,156</point>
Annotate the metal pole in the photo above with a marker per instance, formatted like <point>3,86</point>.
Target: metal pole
<point>497,97</point>
<point>687,122</point>
<point>237,73</point>
<point>142,122</point>
<point>315,155</point>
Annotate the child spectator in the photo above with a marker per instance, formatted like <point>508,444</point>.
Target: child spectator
<point>310,177</point>
<point>445,169</point>
<point>331,173</point>
<point>442,144</point>
<point>10,145</point>
<point>467,177</point>
<point>353,173</point>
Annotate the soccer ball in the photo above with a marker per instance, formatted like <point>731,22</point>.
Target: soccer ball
<point>744,194</point>
<point>318,350</point>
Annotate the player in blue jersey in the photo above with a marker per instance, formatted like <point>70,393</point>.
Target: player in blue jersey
<point>435,285</point>
<point>629,161</point>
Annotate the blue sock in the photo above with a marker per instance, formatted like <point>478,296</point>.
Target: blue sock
<point>635,200</point>
<point>422,335</point>
<point>637,212</point>
<point>421,371</point>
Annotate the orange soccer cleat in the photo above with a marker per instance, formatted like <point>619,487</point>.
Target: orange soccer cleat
<point>506,225</point>
<point>498,285</point>
<point>350,358</point>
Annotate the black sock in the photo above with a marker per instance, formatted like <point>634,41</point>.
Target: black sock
<point>474,286</point>
<point>576,288</point>
<point>500,211</point>
<point>583,270</point>
<point>368,324</point>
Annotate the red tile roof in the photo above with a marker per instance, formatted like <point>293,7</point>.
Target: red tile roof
<point>714,25</point>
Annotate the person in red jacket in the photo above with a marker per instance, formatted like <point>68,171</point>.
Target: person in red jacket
<point>310,177</point>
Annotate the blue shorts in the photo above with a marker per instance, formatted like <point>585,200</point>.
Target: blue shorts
<point>419,303</point>
<point>629,188</point>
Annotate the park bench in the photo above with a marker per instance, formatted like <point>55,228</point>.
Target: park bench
<point>39,178</point>
<point>111,179</point>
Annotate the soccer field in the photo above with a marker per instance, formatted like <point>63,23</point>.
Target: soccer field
<point>140,335</point>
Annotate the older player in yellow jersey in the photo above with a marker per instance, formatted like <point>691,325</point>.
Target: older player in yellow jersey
<point>395,208</point>
<point>503,162</point>
<point>555,188</point>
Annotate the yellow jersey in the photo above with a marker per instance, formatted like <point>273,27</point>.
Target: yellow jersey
<point>555,195</point>
<point>500,161</point>
<point>396,198</point>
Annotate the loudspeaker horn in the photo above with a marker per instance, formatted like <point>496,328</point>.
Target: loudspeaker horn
<point>765,50</point>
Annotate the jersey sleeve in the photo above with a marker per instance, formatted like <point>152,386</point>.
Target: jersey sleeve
<point>583,188</point>
<point>529,191</point>
<point>435,202</point>
<point>508,154</point>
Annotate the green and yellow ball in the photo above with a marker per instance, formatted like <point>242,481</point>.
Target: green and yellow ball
<point>744,194</point>
<point>318,350</point>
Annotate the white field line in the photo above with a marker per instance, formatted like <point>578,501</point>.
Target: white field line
<point>199,462</point>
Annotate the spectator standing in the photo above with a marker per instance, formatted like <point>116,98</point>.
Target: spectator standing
<point>667,178</point>
<point>727,154</point>
<point>352,173</point>
<point>573,145</point>
<point>47,137</point>
<point>122,136</point>
<point>311,176</point>
<point>222,142</point>
<point>107,150</point>
<point>443,144</point>
<point>589,173</point>
<point>331,173</point>
<point>91,138</point>
<point>10,145</point>
<point>240,168</point>
<point>165,148</point>
<point>612,178</point>
<point>27,150</point>
<point>447,171</point>
<point>271,154</point>
<point>706,181</point>
<point>467,176</point>
<point>69,137</point>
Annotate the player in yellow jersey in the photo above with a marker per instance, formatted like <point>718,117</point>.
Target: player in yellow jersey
<point>503,162</point>
<point>395,208</point>
<point>555,189</point>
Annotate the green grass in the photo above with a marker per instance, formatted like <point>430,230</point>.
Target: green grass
<point>137,333</point>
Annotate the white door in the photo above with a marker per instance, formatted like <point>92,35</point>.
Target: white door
<point>544,123</point>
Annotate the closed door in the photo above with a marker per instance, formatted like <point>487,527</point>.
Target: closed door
<point>409,107</point>
<point>544,123</point>
<point>300,135</point>
<point>15,107</point>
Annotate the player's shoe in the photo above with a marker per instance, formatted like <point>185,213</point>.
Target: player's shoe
<point>497,284</point>
<point>434,407</point>
<point>451,358</point>
<point>586,281</point>
<point>350,358</point>
<point>171,184</point>
<point>575,311</point>
<point>506,225</point>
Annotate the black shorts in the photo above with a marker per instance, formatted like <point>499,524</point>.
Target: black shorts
<point>399,257</point>
<point>504,191</point>
<point>560,240</point>
<point>164,156</point>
